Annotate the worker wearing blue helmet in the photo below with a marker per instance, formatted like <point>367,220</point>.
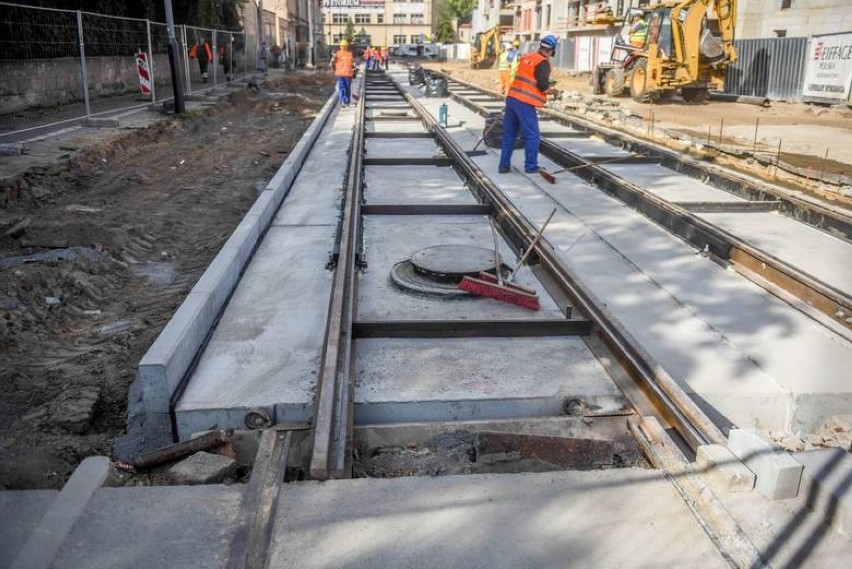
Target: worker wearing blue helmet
<point>527,93</point>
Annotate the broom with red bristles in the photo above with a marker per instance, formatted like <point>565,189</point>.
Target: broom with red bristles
<point>505,290</point>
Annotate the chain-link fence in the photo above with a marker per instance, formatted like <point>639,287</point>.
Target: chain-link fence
<point>61,65</point>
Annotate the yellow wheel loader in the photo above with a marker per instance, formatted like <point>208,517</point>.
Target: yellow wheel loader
<point>486,48</point>
<point>669,47</point>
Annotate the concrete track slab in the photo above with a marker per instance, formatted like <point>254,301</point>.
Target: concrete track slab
<point>670,185</point>
<point>390,239</point>
<point>405,380</point>
<point>314,198</point>
<point>21,511</point>
<point>747,357</point>
<point>394,126</point>
<point>619,518</point>
<point>588,146</point>
<point>415,185</point>
<point>168,526</point>
<point>826,258</point>
<point>266,349</point>
<point>414,148</point>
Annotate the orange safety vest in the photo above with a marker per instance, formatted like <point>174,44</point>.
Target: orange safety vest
<point>193,52</point>
<point>343,63</point>
<point>524,86</point>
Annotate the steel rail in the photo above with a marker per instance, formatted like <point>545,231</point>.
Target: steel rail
<point>673,404</point>
<point>822,302</point>
<point>332,427</point>
<point>835,220</point>
<point>702,234</point>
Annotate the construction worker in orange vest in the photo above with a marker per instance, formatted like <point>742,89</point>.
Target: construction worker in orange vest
<point>343,68</point>
<point>507,64</point>
<point>204,55</point>
<point>527,93</point>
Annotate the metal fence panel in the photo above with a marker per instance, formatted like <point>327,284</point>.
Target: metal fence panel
<point>769,67</point>
<point>42,79</point>
<point>58,66</point>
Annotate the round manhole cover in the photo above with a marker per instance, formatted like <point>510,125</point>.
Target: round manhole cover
<point>450,263</point>
<point>438,270</point>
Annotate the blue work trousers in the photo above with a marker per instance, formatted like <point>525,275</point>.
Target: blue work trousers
<point>521,117</point>
<point>344,90</point>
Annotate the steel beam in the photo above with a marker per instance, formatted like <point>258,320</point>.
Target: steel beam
<point>530,328</point>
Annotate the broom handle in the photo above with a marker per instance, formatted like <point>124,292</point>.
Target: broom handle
<point>496,255</point>
<point>533,244</point>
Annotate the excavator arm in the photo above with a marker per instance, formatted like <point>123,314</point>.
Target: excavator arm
<point>687,19</point>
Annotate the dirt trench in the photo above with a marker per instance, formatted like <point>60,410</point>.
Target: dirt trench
<point>97,252</point>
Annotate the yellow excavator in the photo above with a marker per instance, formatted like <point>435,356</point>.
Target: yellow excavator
<point>486,48</point>
<point>668,47</point>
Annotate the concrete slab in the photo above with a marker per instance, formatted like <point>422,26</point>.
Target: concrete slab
<point>415,185</point>
<point>394,126</point>
<point>43,544</point>
<point>416,147</point>
<point>818,254</point>
<point>390,239</point>
<point>314,198</point>
<point>405,380</point>
<point>564,519</point>
<point>670,185</point>
<point>747,357</point>
<point>827,482</point>
<point>26,508</point>
<point>168,526</point>
<point>265,351</point>
<point>588,146</point>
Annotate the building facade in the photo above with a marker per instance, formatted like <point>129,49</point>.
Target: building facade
<point>379,22</point>
<point>285,27</point>
<point>792,18</point>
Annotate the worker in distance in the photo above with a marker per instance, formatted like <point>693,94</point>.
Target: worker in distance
<point>527,93</point>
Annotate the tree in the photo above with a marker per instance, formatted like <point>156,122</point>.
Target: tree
<point>349,32</point>
<point>450,11</point>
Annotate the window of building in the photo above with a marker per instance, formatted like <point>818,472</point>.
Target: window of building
<point>380,18</point>
<point>547,16</point>
<point>362,18</point>
<point>339,18</point>
<point>397,39</point>
<point>780,33</point>
<point>786,4</point>
<point>417,40</point>
<point>399,18</point>
<point>336,38</point>
<point>416,18</point>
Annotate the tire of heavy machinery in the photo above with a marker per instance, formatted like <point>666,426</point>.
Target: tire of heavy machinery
<point>615,82</point>
<point>696,96</point>
<point>597,81</point>
<point>639,83</point>
<point>665,96</point>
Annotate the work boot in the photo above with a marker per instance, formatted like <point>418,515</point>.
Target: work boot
<point>533,170</point>
<point>503,170</point>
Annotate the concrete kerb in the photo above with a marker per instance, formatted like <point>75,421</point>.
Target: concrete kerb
<point>47,537</point>
<point>167,361</point>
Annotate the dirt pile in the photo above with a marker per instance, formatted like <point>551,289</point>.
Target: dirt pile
<point>97,252</point>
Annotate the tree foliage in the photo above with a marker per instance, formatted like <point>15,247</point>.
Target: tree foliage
<point>220,14</point>
<point>349,33</point>
<point>448,11</point>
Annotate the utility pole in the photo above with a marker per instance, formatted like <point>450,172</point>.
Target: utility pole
<point>311,7</point>
<point>173,65</point>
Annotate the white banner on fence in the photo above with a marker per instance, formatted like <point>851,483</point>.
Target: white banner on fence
<point>829,69</point>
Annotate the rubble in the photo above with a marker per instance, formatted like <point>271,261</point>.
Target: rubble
<point>73,411</point>
<point>203,468</point>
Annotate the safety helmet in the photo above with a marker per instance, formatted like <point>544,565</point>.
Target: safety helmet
<point>344,43</point>
<point>549,42</point>
<point>516,43</point>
